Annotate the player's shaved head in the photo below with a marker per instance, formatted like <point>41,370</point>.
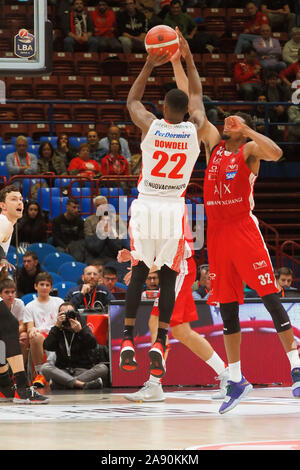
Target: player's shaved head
<point>177,101</point>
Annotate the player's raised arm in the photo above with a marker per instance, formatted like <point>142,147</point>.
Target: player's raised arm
<point>140,116</point>
<point>192,85</point>
<point>259,148</point>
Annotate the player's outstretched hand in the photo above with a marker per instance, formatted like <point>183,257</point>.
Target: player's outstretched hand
<point>184,47</point>
<point>123,256</point>
<point>158,58</point>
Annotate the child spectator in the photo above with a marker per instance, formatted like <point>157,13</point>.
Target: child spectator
<point>39,317</point>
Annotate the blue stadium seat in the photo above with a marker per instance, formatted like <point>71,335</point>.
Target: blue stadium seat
<point>76,141</point>
<point>77,192</point>
<point>52,139</point>
<point>27,183</point>
<point>42,250</point>
<point>55,277</point>
<point>28,298</point>
<point>71,271</point>
<point>3,169</point>
<point>64,287</point>
<point>5,150</point>
<point>13,258</point>
<point>120,284</point>
<point>34,148</point>
<point>12,249</point>
<point>58,207</point>
<point>53,261</point>
<point>134,191</point>
<point>44,196</point>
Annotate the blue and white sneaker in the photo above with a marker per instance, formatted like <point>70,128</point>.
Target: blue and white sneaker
<point>296,382</point>
<point>236,391</point>
<point>223,378</point>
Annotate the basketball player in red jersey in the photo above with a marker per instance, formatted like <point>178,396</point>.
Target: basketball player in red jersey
<point>236,249</point>
<point>170,148</point>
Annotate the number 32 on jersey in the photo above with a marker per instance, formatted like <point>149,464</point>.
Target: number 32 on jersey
<point>163,158</point>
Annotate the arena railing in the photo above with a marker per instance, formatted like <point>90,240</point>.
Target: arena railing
<point>233,106</point>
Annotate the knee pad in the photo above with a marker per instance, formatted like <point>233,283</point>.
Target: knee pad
<point>230,316</point>
<point>278,313</point>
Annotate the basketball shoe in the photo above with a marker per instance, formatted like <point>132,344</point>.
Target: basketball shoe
<point>236,391</point>
<point>7,393</point>
<point>223,378</point>
<point>157,360</point>
<point>127,356</point>
<point>296,382</point>
<point>28,396</point>
<point>148,393</point>
<point>39,381</point>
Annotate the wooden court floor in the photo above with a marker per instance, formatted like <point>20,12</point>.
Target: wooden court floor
<point>188,419</point>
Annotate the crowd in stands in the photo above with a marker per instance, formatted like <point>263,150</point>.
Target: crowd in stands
<point>264,72</point>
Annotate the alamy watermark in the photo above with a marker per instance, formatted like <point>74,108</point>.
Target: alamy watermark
<point>2,353</point>
<point>162,223</point>
<point>296,95</point>
<point>2,92</point>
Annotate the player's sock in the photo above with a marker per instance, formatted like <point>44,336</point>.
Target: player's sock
<point>235,374</point>
<point>294,359</point>
<point>162,336</point>
<point>5,380</point>
<point>21,379</point>
<point>154,380</point>
<point>216,363</point>
<point>128,332</point>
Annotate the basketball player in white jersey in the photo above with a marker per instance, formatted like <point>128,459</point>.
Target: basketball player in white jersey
<point>170,148</point>
<point>11,204</point>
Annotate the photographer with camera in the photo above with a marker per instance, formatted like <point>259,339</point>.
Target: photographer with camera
<point>74,345</point>
<point>91,295</point>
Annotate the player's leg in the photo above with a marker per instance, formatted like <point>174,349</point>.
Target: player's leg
<point>9,335</point>
<point>133,298</point>
<point>152,390</point>
<point>257,271</point>
<point>37,356</point>
<point>167,280</point>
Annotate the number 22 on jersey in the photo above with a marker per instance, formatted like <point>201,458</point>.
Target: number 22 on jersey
<point>163,158</point>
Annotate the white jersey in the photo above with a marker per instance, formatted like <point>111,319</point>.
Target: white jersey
<point>6,231</point>
<point>169,153</point>
<point>43,315</point>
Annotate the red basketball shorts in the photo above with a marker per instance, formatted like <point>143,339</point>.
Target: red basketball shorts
<point>184,309</point>
<point>237,253</point>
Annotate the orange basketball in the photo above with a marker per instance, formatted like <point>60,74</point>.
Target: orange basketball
<point>162,38</point>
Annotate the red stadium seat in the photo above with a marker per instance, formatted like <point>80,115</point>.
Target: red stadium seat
<point>99,88</point>
<point>72,87</point>
<point>63,63</point>
<point>46,87</point>
<point>194,12</point>
<point>61,112</point>
<point>31,112</point>
<point>281,36</point>
<point>208,86</point>
<point>214,65</point>
<point>36,131</point>
<point>233,59</point>
<point>121,86</point>
<point>214,20</point>
<point>226,89</point>
<point>236,19</point>
<point>19,88</point>
<point>69,129</point>
<point>13,130</point>
<point>87,63</point>
<point>135,63</point>
<point>154,90</point>
<point>85,112</point>
<point>113,64</point>
<point>12,17</point>
<point>112,112</point>
<point>8,112</point>
<point>6,41</point>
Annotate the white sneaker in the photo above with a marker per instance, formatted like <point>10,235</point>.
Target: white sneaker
<point>223,377</point>
<point>149,392</point>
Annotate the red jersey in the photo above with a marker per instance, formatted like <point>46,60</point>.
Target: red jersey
<point>228,185</point>
<point>255,23</point>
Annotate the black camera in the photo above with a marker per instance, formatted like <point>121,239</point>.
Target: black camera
<point>69,314</point>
